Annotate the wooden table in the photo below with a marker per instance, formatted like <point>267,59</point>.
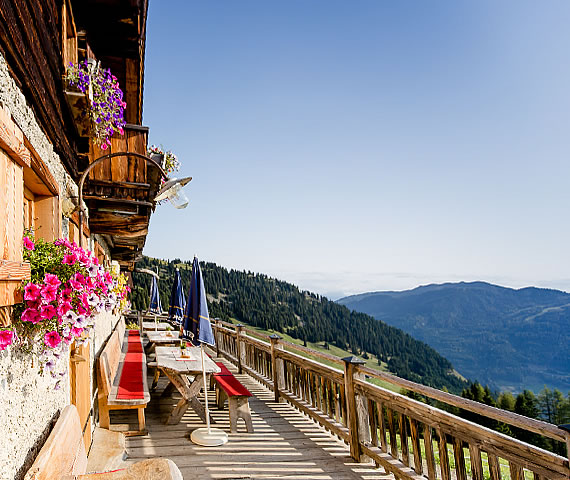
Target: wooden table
<point>177,369</point>
<point>152,326</point>
<point>161,338</point>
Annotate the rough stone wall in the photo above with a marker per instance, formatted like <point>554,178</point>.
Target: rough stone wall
<point>29,405</point>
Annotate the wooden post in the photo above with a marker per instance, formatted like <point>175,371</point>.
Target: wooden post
<point>566,429</point>
<point>139,321</point>
<point>240,348</point>
<point>217,336</point>
<point>277,366</point>
<point>353,407</point>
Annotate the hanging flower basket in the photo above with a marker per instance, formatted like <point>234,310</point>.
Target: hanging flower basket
<point>96,101</point>
<point>167,159</point>
<point>68,288</point>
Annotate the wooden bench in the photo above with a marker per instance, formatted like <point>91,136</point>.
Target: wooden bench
<point>121,377</point>
<point>63,457</point>
<point>229,388</point>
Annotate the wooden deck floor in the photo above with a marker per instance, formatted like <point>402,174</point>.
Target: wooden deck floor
<point>285,445</point>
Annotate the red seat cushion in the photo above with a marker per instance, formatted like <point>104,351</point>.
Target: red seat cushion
<point>131,382</point>
<point>232,386</point>
<point>224,371</point>
<point>134,342</point>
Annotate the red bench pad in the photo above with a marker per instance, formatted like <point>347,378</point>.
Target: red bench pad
<point>224,372</point>
<point>131,383</point>
<point>232,386</point>
<point>134,339</point>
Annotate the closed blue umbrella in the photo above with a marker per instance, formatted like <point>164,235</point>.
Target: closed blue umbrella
<point>197,325</point>
<point>154,306</point>
<point>177,300</point>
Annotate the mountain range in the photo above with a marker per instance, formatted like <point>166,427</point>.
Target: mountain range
<point>506,338</point>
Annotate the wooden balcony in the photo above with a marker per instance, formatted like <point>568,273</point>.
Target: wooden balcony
<point>119,194</point>
<point>315,421</point>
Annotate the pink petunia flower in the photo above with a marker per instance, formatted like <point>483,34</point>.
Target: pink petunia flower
<point>63,308</point>
<point>31,315</point>
<point>65,294</point>
<point>31,292</point>
<point>47,312</point>
<point>52,339</point>
<point>52,280</point>
<point>69,259</point>
<point>49,294</point>
<point>6,338</point>
<point>28,243</point>
<point>77,332</point>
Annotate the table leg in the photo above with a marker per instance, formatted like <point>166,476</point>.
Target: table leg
<point>168,390</point>
<point>189,391</point>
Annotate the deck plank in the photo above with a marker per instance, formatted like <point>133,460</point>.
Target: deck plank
<point>285,444</point>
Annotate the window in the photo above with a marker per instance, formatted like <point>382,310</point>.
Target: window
<point>29,199</point>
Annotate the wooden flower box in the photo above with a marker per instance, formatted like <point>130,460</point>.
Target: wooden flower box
<point>79,106</point>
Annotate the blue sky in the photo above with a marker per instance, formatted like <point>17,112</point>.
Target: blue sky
<point>366,145</point>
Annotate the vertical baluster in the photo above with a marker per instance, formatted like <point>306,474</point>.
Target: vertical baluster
<point>392,430</point>
<point>460,470</point>
<point>240,350</point>
<point>373,423</point>
<point>343,413</point>
<point>516,471</point>
<point>443,456</point>
<point>404,439</point>
<point>337,404</point>
<point>331,398</point>
<point>494,466</point>
<point>318,392</point>
<point>476,463</point>
<point>382,427</point>
<point>428,448</point>
<point>418,467</point>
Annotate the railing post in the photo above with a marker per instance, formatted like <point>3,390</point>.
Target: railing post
<point>276,366</point>
<point>566,428</point>
<point>240,348</point>
<point>217,335</point>
<point>139,321</point>
<point>356,409</point>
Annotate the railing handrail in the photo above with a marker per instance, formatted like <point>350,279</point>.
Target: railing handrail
<point>514,419</point>
<point>350,406</point>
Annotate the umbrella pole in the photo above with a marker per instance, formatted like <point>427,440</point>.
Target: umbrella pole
<point>205,388</point>
<point>207,437</point>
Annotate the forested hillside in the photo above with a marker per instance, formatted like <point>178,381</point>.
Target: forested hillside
<point>265,302</point>
<point>509,339</point>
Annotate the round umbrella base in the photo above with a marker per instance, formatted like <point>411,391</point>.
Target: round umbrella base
<point>212,438</point>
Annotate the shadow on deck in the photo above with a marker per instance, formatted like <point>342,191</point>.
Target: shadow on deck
<point>285,445</point>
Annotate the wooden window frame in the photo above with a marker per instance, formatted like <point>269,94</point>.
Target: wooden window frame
<point>34,186</point>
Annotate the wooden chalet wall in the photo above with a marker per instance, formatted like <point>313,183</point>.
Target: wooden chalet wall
<point>31,42</point>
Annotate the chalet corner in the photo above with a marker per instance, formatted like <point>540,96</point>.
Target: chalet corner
<point>43,152</point>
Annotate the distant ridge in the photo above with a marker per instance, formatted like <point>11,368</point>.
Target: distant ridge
<point>509,338</point>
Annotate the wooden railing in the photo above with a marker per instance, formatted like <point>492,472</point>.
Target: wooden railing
<point>408,438</point>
